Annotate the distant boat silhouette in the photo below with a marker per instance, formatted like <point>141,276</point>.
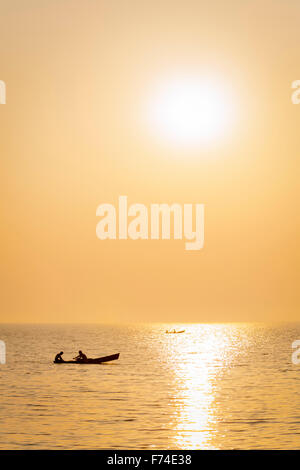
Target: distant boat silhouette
<point>174,332</point>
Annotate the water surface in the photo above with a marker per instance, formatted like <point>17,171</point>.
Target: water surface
<point>216,386</point>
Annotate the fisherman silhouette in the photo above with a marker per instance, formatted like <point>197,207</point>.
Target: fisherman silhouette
<point>58,357</point>
<point>81,357</point>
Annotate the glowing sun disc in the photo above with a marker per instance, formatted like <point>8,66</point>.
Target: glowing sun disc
<point>190,111</point>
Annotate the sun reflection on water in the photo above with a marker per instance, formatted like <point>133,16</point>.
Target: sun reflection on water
<point>197,364</point>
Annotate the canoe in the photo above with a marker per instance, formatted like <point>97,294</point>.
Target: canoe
<point>174,332</point>
<point>97,360</point>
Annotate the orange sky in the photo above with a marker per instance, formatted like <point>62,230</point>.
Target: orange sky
<point>74,135</point>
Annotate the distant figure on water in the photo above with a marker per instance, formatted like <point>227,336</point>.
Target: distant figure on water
<point>174,331</point>
<point>81,357</point>
<point>58,357</point>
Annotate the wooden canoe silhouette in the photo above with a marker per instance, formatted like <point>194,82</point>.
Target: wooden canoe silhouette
<point>97,360</point>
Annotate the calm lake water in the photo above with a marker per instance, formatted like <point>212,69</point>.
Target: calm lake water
<point>216,386</point>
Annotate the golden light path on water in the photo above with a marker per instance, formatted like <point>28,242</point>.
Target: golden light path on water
<point>196,375</point>
<point>195,412</point>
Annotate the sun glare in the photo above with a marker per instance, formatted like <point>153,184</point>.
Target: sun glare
<point>190,111</point>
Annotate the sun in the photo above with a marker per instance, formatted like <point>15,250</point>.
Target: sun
<point>190,111</point>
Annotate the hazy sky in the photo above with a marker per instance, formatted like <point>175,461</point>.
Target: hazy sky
<point>75,134</point>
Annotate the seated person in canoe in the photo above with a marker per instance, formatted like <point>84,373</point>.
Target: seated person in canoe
<point>58,357</point>
<point>81,357</point>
